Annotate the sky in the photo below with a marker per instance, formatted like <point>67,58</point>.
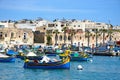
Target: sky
<point>107,11</point>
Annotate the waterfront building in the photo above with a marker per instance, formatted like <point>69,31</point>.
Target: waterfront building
<point>38,30</point>
<point>80,28</point>
<point>28,24</point>
<point>13,35</point>
<point>8,24</point>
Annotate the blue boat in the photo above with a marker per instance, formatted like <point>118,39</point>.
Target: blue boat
<point>5,58</point>
<point>62,64</point>
<point>11,52</point>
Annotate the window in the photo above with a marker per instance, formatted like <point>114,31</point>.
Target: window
<point>12,35</point>
<point>5,35</point>
<point>1,34</point>
<point>37,32</point>
<point>62,25</point>
<point>56,37</point>
<point>25,35</point>
<point>44,28</point>
<point>51,25</point>
<point>2,26</point>
<point>69,38</point>
<point>80,37</point>
<point>98,23</point>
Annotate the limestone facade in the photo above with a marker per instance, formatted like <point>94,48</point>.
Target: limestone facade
<point>16,36</point>
<point>19,33</point>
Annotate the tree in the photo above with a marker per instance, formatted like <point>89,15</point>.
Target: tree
<point>72,32</point>
<point>103,31</point>
<point>65,31</point>
<point>87,34</point>
<point>96,34</point>
<point>110,31</point>
<point>49,37</point>
<point>39,37</point>
<point>56,32</point>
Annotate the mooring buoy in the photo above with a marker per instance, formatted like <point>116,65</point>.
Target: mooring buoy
<point>79,67</point>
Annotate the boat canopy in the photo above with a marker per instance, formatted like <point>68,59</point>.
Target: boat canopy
<point>3,55</point>
<point>31,54</point>
<point>45,59</point>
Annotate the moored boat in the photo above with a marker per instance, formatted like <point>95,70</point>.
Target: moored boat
<point>5,58</point>
<point>62,64</point>
<point>76,56</point>
<point>29,55</point>
<point>79,56</point>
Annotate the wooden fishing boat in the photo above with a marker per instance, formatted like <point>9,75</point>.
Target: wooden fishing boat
<point>62,64</point>
<point>30,56</point>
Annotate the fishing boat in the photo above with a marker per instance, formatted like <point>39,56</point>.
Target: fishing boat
<point>79,56</point>
<point>76,56</point>
<point>45,64</point>
<point>49,50</point>
<point>5,58</point>
<point>11,52</point>
<point>29,55</point>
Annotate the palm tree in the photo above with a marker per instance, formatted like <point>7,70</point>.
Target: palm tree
<point>96,34</point>
<point>110,31</point>
<point>72,32</point>
<point>87,34</point>
<point>56,32</point>
<point>49,37</point>
<point>65,31</point>
<point>103,31</point>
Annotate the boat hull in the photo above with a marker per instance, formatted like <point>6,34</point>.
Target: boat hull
<point>50,53</point>
<point>78,59</point>
<point>35,64</point>
<point>7,59</point>
<point>39,66</point>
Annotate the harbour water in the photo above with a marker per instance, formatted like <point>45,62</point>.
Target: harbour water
<point>101,68</point>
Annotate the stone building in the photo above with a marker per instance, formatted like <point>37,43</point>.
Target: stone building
<point>30,32</point>
<point>16,36</point>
